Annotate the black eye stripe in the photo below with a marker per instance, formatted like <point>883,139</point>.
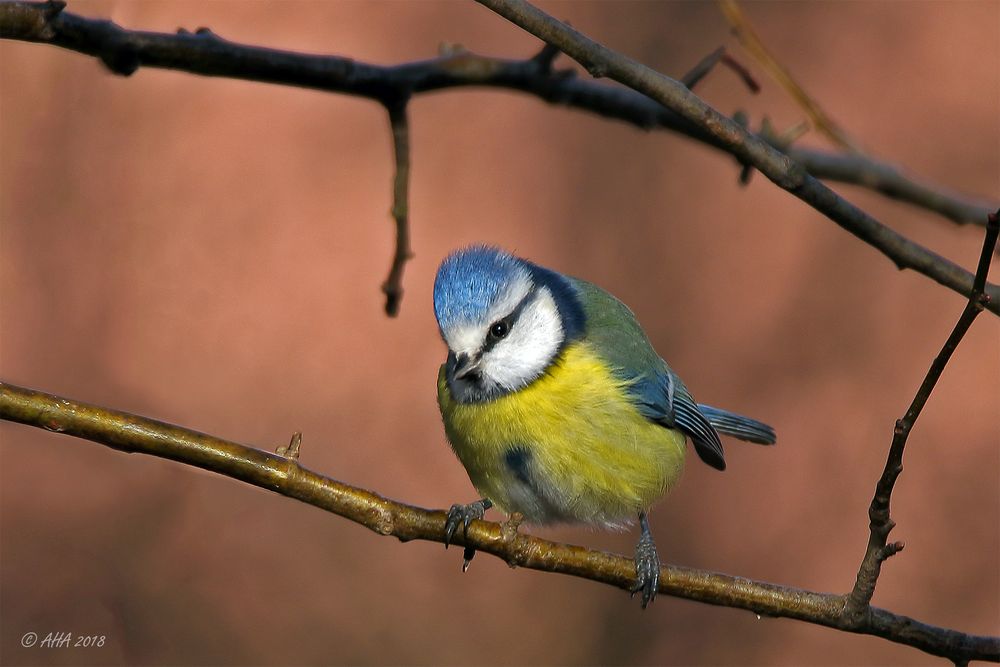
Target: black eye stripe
<point>509,321</point>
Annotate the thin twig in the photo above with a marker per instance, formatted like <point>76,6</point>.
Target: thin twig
<point>131,433</point>
<point>702,68</point>
<point>878,550</point>
<point>393,285</point>
<point>755,46</point>
<point>708,63</point>
<point>747,148</point>
<point>292,449</point>
<point>742,71</point>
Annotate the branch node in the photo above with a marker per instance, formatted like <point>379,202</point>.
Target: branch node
<point>383,521</point>
<point>447,49</point>
<point>53,425</point>
<point>544,58</point>
<point>53,8</point>
<point>201,31</point>
<point>291,450</point>
<point>508,529</point>
<point>119,56</point>
<point>597,70</point>
<point>890,550</point>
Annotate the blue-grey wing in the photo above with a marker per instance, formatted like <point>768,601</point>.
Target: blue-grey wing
<point>663,398</point>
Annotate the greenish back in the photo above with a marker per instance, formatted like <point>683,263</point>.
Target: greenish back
<point>615,333</point>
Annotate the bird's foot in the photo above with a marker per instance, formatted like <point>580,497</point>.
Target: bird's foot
<point>463,515</point>
<point>647,565</point>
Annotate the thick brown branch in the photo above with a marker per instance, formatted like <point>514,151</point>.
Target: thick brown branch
<point>207,54</point>
<point>878,549</point>
<point>131,433</point>
<point>748,148</point>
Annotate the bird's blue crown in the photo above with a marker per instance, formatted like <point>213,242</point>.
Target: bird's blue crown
<point>469,281</point>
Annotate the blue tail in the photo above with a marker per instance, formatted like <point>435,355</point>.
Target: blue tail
<point>738,426</point>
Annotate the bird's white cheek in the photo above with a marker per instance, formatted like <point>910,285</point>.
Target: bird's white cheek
<point>510,369</point>
<point>530,347</point>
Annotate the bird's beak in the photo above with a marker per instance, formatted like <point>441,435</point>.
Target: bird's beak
<point>466,367</point>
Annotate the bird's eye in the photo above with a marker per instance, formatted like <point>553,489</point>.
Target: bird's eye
<point>499,329</point>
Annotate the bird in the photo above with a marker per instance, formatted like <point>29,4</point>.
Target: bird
<point>557,405</point>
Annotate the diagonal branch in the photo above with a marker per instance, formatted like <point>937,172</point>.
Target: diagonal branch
<point>747,148</point>
<point>878,550</point>
<point>131,433</point>
<point>888,180</point>
<point>205,53</point>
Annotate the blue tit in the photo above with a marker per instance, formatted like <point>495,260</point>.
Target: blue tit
<point>557,404</point>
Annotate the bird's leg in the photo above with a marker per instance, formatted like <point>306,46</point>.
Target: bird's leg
<point>647,564</point>
<point>464,515</point>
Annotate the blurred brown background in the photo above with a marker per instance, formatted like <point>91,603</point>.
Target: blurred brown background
<point>209,252</point>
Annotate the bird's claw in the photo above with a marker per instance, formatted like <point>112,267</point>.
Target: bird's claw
<point>467,557</point>
<point>647,569</point>
<point>463,515</point>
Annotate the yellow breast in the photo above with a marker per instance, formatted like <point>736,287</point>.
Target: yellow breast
<point>571,446</point>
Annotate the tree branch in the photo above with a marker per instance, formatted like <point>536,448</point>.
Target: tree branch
<point>887,180</point>
<point>748,148</point>
<point>131,433</point>
<point>674,108</point>
<point>204,53</point>
<point>881,524</point>
<point>393,285</point>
